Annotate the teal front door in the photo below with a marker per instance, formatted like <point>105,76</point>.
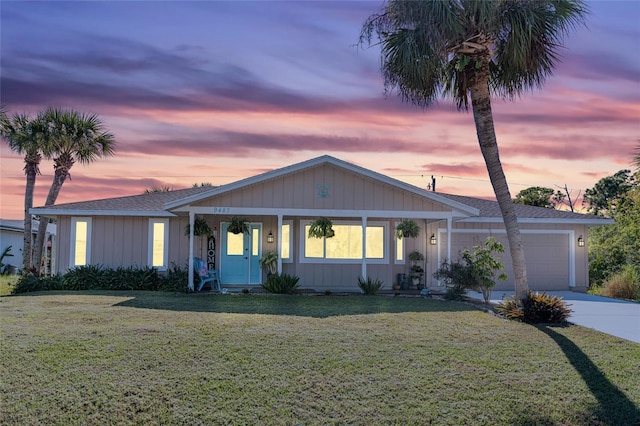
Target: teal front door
<point>240,256</point>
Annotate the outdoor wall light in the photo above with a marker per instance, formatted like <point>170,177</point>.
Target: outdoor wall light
<point>269,237</point>
<point>580,241</point>
<point>433,241</point>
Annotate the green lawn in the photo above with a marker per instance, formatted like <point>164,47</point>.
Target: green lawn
<point>6,283</point>
<point>95,358</point>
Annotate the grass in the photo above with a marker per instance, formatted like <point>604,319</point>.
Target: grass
<point>157,359</point>
<point>6,283</point>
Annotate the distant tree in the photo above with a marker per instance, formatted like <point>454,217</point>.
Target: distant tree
<point>614,246</point>
<point>636,159</point>
<point>72,137</point>
<point>471,51</point>
<point>539,196</point>
<point>201,184</point>
<point>565,197</point>
<point>603,198</point>
<point>25,136</point>
<point>164,188</point>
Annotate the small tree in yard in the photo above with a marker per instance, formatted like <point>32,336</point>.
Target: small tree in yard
<point>475,270</point>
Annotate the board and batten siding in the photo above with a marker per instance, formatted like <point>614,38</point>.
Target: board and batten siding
<point>344,191</point>
<point>123,241</point>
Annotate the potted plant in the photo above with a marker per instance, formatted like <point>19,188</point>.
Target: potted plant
<point>238,225</point>
<point>321,227</point>
<point>200,227</point>
<point>269,262</point>
<point>407,228</point>
<point>416,271</point>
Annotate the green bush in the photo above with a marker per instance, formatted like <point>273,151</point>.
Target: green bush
<point>370,285</point>
<point>623,285</point>
<point>177,279</point>
<point>535,308</point>
<point>475,270</point>
<point>131,278</point>
<point>30,283</point>
<point>281,284</point>
<point>455,292</point>
<point>83,278</point>
<point>96,277</point>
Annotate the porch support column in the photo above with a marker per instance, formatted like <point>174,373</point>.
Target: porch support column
<point>191,236</point>
<point>364,248</point>
<point>279,244</point>
<point>449,220</point>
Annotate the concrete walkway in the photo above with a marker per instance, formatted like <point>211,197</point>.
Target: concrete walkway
<point>616,317</point>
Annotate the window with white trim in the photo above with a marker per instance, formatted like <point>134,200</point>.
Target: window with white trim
<point>158,243</point>
<point>346,245</point>
<point>399,247</point>
<point>80,253</point>
<point>286,238</point>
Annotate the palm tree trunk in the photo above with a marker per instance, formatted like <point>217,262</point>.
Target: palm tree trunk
<point>483,117</point>
<point>59,177</point>
<point>31,170</point>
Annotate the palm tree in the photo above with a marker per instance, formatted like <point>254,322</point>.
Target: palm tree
<point>73,137</point>
<point>471,50</point>
<point>25,136</point>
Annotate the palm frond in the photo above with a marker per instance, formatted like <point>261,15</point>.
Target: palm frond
<point>529,40</point>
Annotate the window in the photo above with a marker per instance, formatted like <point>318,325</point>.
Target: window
<point>346,244</point>
<point>235,244</point>
<point>285,248</point>
<point>399,249</point>
<point>255,242</point>
<point>80,253</point>
<point>158,243</point>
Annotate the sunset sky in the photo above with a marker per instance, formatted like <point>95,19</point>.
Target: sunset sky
<point>214,91</point>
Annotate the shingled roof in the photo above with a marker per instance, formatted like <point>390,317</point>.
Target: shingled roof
<point>491,210</point>
<point>136,205</point>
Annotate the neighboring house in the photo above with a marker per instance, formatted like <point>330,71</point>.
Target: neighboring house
<point>12,234</point>
<point>280,205</point>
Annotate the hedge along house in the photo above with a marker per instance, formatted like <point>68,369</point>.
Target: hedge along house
<point>280,205</point>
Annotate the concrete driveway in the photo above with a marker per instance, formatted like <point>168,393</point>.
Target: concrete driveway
<point>616,317</point>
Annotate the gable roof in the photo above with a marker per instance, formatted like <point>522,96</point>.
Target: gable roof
<point>466,209</point>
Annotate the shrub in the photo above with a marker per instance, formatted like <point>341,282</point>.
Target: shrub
<point>624,284</point>
<point>475,270</point>
<point>282,284</point>
<point>177,279</point>
<point>131,278</point>
<point>535,308</point>
<point>83,278</point>
<point>370,285</point>
<point>455,292</point>
<point>30,283</point>
<point>94,277</point>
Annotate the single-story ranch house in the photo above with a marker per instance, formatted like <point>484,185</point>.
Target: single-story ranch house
<point>280,205</point>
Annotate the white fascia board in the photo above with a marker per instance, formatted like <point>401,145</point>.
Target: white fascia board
<point>439,215</point>
<point>542,221</point>
<point>80,212</point>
